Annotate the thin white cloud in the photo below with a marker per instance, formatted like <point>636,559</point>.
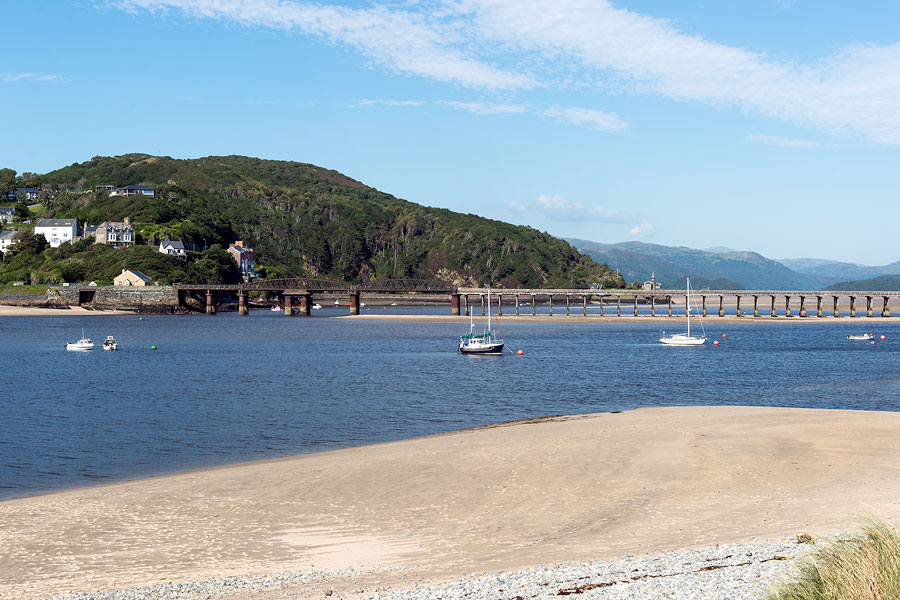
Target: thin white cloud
<point>485,108</point>
<point>643,228</point>
<point>34,77</point>
<point>772,140</point>
<point>585,116</point>
<point>556,207</point>
<point>385,102</point>
<point>417,43</point>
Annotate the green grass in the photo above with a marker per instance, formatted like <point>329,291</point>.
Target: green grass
<point>865,566</point>
<point>23,290</point>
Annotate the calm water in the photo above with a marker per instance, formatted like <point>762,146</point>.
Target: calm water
<point>226,389</point>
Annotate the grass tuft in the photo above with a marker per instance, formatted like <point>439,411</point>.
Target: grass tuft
<point>865,566</point>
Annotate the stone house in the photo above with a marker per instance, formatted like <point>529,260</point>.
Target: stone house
<point>244,258</point>
<point>116,234</point>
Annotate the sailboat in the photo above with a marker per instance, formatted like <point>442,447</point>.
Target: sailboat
<point>486,342</point>
<point>685,339</point>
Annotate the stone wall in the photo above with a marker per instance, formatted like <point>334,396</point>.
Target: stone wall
<point>148,299</point>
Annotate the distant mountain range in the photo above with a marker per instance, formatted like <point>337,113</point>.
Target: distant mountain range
<point>726,268</point>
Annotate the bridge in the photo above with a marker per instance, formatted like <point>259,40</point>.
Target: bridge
<point>297,294</point>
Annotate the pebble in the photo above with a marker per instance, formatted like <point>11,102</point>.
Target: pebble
<point>741,571</point>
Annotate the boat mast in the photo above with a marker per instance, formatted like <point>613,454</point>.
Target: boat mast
<point>489,310</point>
<point>687,301</point>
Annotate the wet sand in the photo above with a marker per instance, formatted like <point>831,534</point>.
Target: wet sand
<point>501,497</point>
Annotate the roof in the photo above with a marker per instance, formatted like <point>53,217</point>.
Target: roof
<point>7,234</point>
<point>7,210</point>
<point>56,222</point>
<point>27,190</point>
<point>174,244</point>
<point>137,274</point>
<point>136,187</point>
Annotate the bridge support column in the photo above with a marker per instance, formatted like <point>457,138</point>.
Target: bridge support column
<point>288,309</point>
<point>669,298</point>
<point>242,304</point>
<point>354,303</point>
<point>819,313</point>
<point>802,306</point>
<point>533,302</point>
<point>703,302</point>
<point>755,306</point>
<point>869,306</point>
<point>467,305</point>
<point>652,306</point>
<point>454,305</point>
<point>306,304</point>
<point>721,305</point>
<point>852,306</point>
<point>499,305</point>
<point>886,311</point>
<point>618,306</point>
<point>584,300</point>
<point>517,305</point>
<point>635,306</point>
<point>738,304</point>
<point>210,304</point>
<point>787,306</point>
<point>774,314</point>
<point>550,302</point>
<point>567,305</point>
<point>687,305</point>
<point>482,305</point>
<point>601,306</point>
<point>836,313</point>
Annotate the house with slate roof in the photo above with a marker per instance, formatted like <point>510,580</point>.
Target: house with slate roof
<point>172,248</point>
<point>58,231</point>
<point>132,277</point>
<point>7,239</point>
<point>134,190</point>
<point>114,233</point>
<point>7,214</point>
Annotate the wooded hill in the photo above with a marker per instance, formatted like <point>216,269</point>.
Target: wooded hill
<point>301,220</point>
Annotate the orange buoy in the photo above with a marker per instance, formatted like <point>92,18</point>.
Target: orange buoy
<point>716,343</point>
<point>872,342</point>
<point>882,337</point>
<point>724,336</point>
<point>520,352</point>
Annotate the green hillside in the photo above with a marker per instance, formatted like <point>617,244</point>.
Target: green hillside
<point>300,219</point>
<point>884,283</point>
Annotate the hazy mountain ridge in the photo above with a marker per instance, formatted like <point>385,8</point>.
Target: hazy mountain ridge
<point>671,264</point>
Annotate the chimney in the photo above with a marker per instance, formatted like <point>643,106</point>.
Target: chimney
<point>127,221</point>
<point>239,244</point>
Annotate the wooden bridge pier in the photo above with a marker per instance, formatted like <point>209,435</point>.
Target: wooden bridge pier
<point>819,313</point>
<point>852,306</point>
<point>885,312</point>
<point>242,304</point>
<point>454,305</point>
<point>703,303</point>
<point>210,304</point>
<point>755,305</point>
<point>869,306</point>
<point>802,306</point>
<point>738,307</point>
<point>836,313</point>
<point>787,306</point>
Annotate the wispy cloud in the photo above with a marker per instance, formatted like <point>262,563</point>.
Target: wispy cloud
<point>34,77</point>
<point>586,116</point>
<point>773,140</point>
<point>643,228</point>
<point>522,44</point>
<point>558,208</point>
<point>387,102</point>
<point>485,108</point>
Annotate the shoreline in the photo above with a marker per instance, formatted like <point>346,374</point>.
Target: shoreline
<point>502,497</point>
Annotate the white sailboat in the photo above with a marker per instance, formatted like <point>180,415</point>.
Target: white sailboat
<point>486,342</point>
<point>685,339</point>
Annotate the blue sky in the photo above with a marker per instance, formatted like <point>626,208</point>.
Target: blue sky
<point>771,125</point>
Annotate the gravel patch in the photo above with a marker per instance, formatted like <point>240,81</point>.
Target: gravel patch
<point>741,571</point>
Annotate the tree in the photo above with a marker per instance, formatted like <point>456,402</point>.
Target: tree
<point>26,239</point>
<point>22,211</point>
<point>7,180</point>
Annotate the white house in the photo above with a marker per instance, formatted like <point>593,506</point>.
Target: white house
<point>134,190</point>
<point>6,239</point>
<point>172,248</point>
<point>58,231</point>
<point>7,213</point>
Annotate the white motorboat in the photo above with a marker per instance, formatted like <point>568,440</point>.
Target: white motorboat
<point>276,308</point>
<point>685,339</point>
<point>83,344</point>
<point>316,306</point>
<point>862,336</point>
<point>110,343</point>
<point>487,342</point>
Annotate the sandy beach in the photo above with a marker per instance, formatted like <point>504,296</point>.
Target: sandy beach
<point>432,509</point>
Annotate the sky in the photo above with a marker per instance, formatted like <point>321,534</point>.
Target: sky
<point>764,125</point>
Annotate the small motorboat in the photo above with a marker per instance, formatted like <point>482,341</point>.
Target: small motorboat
<point>275,308</point>
<point>83,344</point>
<point>862,336</point>
<point>316,306</point>
<point>110,343</point>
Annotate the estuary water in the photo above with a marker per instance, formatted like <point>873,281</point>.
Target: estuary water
<point>226,389</point>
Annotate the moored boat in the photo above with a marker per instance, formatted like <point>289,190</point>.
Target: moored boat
<point>487,342</point>
<point>276,308</point>
<point>862,336</point>
<point>110,343</point>
<point>83,344</point>
<point>685,339</point>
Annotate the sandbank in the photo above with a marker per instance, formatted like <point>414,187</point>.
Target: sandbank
<point>563,488</point>
<point>35,311</point>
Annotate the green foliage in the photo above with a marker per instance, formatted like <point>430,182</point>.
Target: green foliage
<point>302,220</point>
<point>883,283</point>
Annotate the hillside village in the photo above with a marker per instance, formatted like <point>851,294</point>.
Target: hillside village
<point>117,234</point>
